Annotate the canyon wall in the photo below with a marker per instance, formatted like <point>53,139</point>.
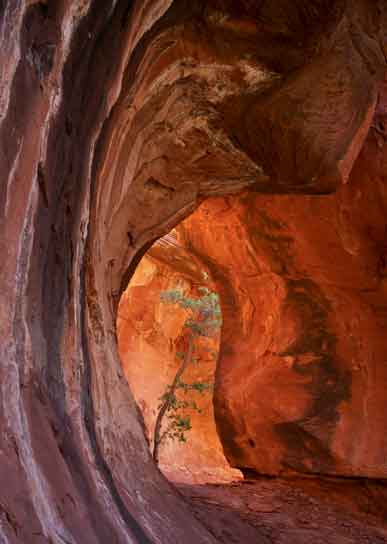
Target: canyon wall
<point>117,119</point>
<point>301,375</point>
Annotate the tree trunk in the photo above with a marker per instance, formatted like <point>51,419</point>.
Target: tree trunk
<point>157,438</point>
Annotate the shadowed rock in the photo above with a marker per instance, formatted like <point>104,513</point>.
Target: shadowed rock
<point>117,119</point>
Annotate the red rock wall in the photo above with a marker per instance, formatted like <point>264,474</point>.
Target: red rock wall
<point>116,120</point>
<point>301,379</point>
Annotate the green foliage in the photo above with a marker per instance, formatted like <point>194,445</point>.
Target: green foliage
<point>176,404</point>
<point>204,321</point>
<point>172,296</point>
<point>206,312</point>
<point>177,428</point>
<point>200,387</point>
<point>177,424</point>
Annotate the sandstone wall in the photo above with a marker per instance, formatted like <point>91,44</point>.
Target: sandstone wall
<point>301,374</point>
<point>117,119</point>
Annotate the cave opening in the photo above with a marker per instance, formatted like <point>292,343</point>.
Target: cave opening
<point>117,119</point>
<point>169,324</point>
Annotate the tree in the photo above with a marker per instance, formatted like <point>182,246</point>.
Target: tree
<point>205,319</point>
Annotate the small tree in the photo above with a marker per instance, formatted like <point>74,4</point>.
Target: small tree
<point>205,319</point>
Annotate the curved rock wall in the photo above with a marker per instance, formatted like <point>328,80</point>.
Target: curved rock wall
<point>117,118</point>
<point>301,378</point>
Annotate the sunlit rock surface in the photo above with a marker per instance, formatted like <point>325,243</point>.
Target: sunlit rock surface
<point>301,376</point>
<point>117,119</point>
<point>151,336</point>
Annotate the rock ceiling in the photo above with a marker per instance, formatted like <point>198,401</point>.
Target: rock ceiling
<point>117,119</point>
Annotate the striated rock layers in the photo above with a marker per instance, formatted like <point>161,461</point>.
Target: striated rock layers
<point>117,119</point>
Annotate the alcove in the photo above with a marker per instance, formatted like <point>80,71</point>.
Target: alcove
<point>170,297</point>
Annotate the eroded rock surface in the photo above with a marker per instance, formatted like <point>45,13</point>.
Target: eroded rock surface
<point>301,374</point>
<point>116,119</point>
